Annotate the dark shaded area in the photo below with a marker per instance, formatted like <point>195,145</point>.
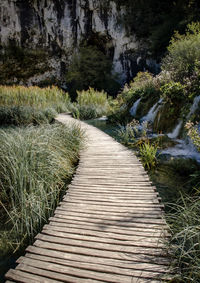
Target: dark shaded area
<point>155,20</point>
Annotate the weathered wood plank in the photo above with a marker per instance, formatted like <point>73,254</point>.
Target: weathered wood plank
<point>122,263</point>
<point>61,272</point>
<point>114,229</point>
<point>139,242</point>
<point>137,257</point>
<point>111,235</point>
<point>94,267</point>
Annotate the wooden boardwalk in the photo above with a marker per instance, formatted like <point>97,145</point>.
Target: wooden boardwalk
<point>108,228</point>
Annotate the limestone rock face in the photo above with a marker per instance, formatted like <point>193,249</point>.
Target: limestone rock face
<point>59,26</point>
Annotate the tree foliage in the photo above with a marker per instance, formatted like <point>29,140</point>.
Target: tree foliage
<point>90,67</point>
<point>156,20</point>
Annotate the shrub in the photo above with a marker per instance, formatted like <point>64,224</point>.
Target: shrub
<point>25,115</point>
<point>148,155</point>
<point>173,92</point>
<point>90,104</point>
<point>91,67</point>
<point>193,133</point>
<point>35,164</point>
<point>133,133</point>
<point>183,54</point>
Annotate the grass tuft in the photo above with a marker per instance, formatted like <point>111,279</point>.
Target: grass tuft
<point>33,173</point>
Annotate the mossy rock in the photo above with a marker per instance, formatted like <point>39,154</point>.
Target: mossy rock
<point>145,105</point>
<point>167,117</point>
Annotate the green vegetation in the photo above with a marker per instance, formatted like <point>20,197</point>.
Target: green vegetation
<point>148,154</point>
<point>36,162</point>
<point>25,115</point>
<point>19,64</point>
<point>35,165</point>
<point>178,179</point>
<point>183,54</point>
<point>90,104</point>
<point>143,86</point>
<point>31,105</point>
<point>91,67</point>
<point>184,223</point>
<point>36,97</point>
<point>156,20</point>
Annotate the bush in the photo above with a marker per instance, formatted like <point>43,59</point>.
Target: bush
<point>24,115</point>
<point>148,155</point>
<point>91,67</point>
<point>90,104</point>
<point>173,92</point>
<point>38,98</point>
<point>35,164</point>
<point>183,54</point>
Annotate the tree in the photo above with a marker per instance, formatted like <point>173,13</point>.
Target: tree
<point>90,67</point>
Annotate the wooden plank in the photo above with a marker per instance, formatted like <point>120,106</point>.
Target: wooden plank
<point>61,272</point>
<point>122,263</point>
<point>106,224</point>
<point>116,205</point>
<point>124,218</point>
<point>110,235</point>
<point>131,271</point>
<point>132,213</point>
<point>113,199</point>
<point>139,242</point>
<point>26,277</point>
<point>57,276</point>
<point>101,246</point>
<point>118,230</point>
<point>133,221</point>
<point>107,193</point>
<point>112,208</point>
<point>139,257</point>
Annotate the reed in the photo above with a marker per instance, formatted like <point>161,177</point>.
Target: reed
<point>184,222</point>
<point>35,165</point>
<point>38,98</point>
<point>90,104</point>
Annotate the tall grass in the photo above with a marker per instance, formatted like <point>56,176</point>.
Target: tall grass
<point>33,96</point>
<point>90,104</point>
<point>184,222</point>
<point>21,105</point>
<point>35,164</point>
<point>25,115</point>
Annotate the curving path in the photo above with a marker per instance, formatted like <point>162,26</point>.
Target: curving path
<point>108,228</point>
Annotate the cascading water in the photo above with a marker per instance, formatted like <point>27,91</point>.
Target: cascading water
<point>183,149</point>
<point>134,108</point>
<point>174,134</point>
<point>150,117</point>
<point>194,106</point>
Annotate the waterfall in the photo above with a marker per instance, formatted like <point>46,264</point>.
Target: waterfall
<point>152,112</point>
<point>174,134</point>
<point>194,106</point>
<point>134,108</point>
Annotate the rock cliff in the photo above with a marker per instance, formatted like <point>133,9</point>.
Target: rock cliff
<point>60,26</point>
